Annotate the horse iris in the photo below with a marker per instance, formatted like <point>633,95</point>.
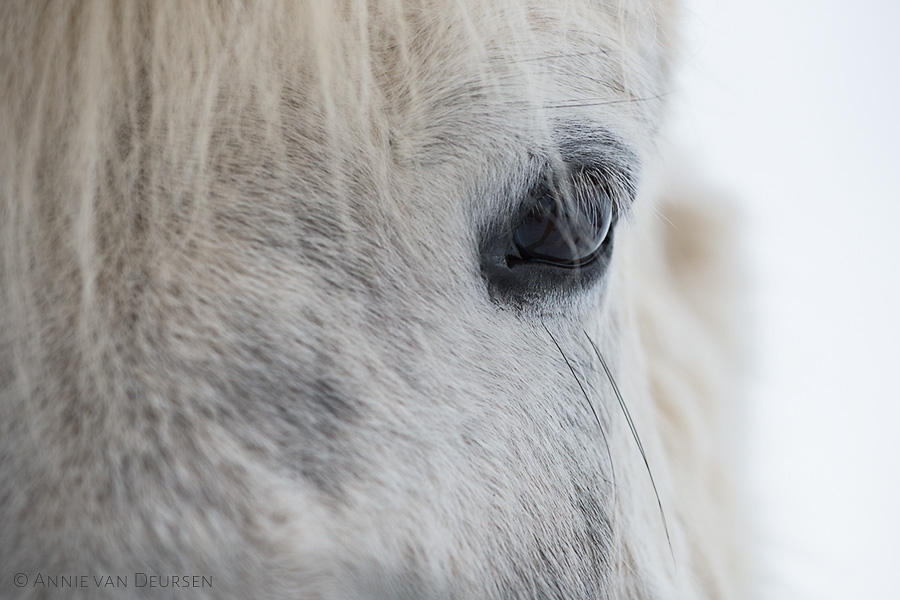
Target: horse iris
<point>562,234</point>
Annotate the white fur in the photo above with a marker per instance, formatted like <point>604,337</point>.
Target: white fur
<point>244,332</point>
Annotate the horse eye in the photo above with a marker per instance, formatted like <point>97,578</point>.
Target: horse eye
<point>562,234</point>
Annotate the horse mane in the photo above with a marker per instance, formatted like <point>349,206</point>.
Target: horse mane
<point>114,114</point>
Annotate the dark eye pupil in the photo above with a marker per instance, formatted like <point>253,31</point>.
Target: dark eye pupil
<point>564,236</point>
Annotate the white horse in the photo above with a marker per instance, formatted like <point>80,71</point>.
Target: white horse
<point>357,299</point>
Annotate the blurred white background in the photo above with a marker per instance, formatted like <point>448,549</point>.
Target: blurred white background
<point>794,106</point>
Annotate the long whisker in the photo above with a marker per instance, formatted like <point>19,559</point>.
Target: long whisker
<point>590,404</point>
<point>604,102</point>
<point>637,438</point>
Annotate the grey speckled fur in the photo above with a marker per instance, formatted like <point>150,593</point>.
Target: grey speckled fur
<point>245,333</point>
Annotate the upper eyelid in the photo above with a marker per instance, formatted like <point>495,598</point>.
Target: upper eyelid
<point>584,146</point>
<point>616,181</point>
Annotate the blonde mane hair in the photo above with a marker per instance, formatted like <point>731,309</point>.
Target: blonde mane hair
<point>192,199</point>
<point>120,119</point>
